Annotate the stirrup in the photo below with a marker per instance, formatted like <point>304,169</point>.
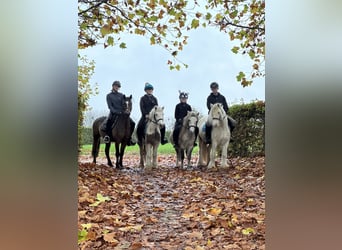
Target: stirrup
<point>163,142</point>
<point>131,143</point>
<point>106,139</point>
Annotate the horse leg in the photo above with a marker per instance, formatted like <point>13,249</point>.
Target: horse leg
<point>224,155</point>
<point>188,155</point>
<point>142,155</point>
<point>109,162</point>
<point>95,147</point>
<point>117,155</point>
<point>182,157</point>
<point>178,156</point>
<point>148,148</point>
<point>212,155</point>
<point>155,152</point>
<point>122,151</point>
<point>200,152</point>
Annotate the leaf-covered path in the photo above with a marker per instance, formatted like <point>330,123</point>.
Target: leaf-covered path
<point>170,208</point>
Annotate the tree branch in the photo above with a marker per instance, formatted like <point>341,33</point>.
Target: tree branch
<point>92,7</point>
<point>225,21</point>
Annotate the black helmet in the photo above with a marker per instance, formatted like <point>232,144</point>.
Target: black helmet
<point>214,85</point>
<point>183,95</point>
<point>117,83</point>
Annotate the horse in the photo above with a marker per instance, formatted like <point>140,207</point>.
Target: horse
<point>220,137</point>
<point>186,138</point>
<point>121,130</point>
<point>149,143</point>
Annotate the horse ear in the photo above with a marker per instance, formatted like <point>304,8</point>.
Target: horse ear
<point>130,97</point>
<point>124,96</point>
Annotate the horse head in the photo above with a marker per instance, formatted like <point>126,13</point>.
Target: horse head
<point>157,115</point>
<point>190,120</point>
<point>216,114</point>
<point>127,107</point>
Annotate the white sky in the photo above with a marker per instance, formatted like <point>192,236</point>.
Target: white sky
<point>207,54</point>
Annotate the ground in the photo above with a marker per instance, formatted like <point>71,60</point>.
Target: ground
<point>170,208</point>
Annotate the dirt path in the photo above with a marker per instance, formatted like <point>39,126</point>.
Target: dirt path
<point>170,208</point>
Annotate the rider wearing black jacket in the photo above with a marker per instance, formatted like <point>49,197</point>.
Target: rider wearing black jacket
<point>181,110</point>
<point>147,102</point>
<point>216,97</point>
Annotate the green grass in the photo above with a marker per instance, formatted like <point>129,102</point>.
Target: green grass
<point>162,149</point>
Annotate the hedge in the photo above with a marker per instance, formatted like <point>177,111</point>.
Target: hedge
<point>249,133</point>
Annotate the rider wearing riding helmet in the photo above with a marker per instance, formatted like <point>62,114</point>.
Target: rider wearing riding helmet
<point>115,102</point>
<point>181,110</point>
<point>217,97</point>
<point>147,102</point>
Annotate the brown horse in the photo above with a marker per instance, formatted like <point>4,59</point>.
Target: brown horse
<point>121,131</point>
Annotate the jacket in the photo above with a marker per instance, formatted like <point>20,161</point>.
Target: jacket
<point>147,102</point>
<point>115,102</point>
<point>181,110</point>
<point>212,99</point>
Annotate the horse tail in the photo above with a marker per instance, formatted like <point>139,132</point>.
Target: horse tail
<point>96,137</point>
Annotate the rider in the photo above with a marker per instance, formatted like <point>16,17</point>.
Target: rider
<point>147,102</point>
<point>115,102</point>
<point>181,110</point>
<point>216,97</point>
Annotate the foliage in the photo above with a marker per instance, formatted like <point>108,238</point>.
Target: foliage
<point>172,209</point>
<point>85,71</point>
<point>249,133</point>
<point>166,23</point>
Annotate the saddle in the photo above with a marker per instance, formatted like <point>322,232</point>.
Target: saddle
<point>104,123</point>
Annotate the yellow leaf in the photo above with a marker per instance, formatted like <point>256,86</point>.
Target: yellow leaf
<point>247,231</point>
<point>86,226</point>
<point>209,243</point>
<point>215,211</point>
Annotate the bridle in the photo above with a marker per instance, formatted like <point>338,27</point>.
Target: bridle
<point>155,120</point>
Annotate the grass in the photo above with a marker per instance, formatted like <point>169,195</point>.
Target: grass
<point>162,149</point>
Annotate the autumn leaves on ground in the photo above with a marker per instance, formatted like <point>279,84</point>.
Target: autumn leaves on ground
<point>170,208</point>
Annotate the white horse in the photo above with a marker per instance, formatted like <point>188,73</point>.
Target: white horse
<point>151,140</point>
<point>220,136</point>
<point>186,138</point>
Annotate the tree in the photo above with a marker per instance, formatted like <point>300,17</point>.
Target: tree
<point>165,23</point>
<point>86,69</point>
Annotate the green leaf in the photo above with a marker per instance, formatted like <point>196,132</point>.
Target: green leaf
<point>194,23</point>
<point>152,40</point>
<point>208,16</point>
<point>235,49</point>
<point>82,235</point>
<point>123,45</point>
<point>240,76</point>
<point>110,41</point>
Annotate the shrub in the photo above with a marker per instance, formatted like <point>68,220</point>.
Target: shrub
<point>249,133</point>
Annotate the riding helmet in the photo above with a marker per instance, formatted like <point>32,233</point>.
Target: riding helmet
<point>214,85</point>
<point>148,86</point>
<point>117,83</point>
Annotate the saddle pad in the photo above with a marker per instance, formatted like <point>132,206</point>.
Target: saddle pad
<point>203,127</point>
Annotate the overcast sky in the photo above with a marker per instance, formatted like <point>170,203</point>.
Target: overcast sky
<point>207,54</point>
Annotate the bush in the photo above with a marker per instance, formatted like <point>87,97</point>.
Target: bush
<point>86,136</point>
<point>249,133</point>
